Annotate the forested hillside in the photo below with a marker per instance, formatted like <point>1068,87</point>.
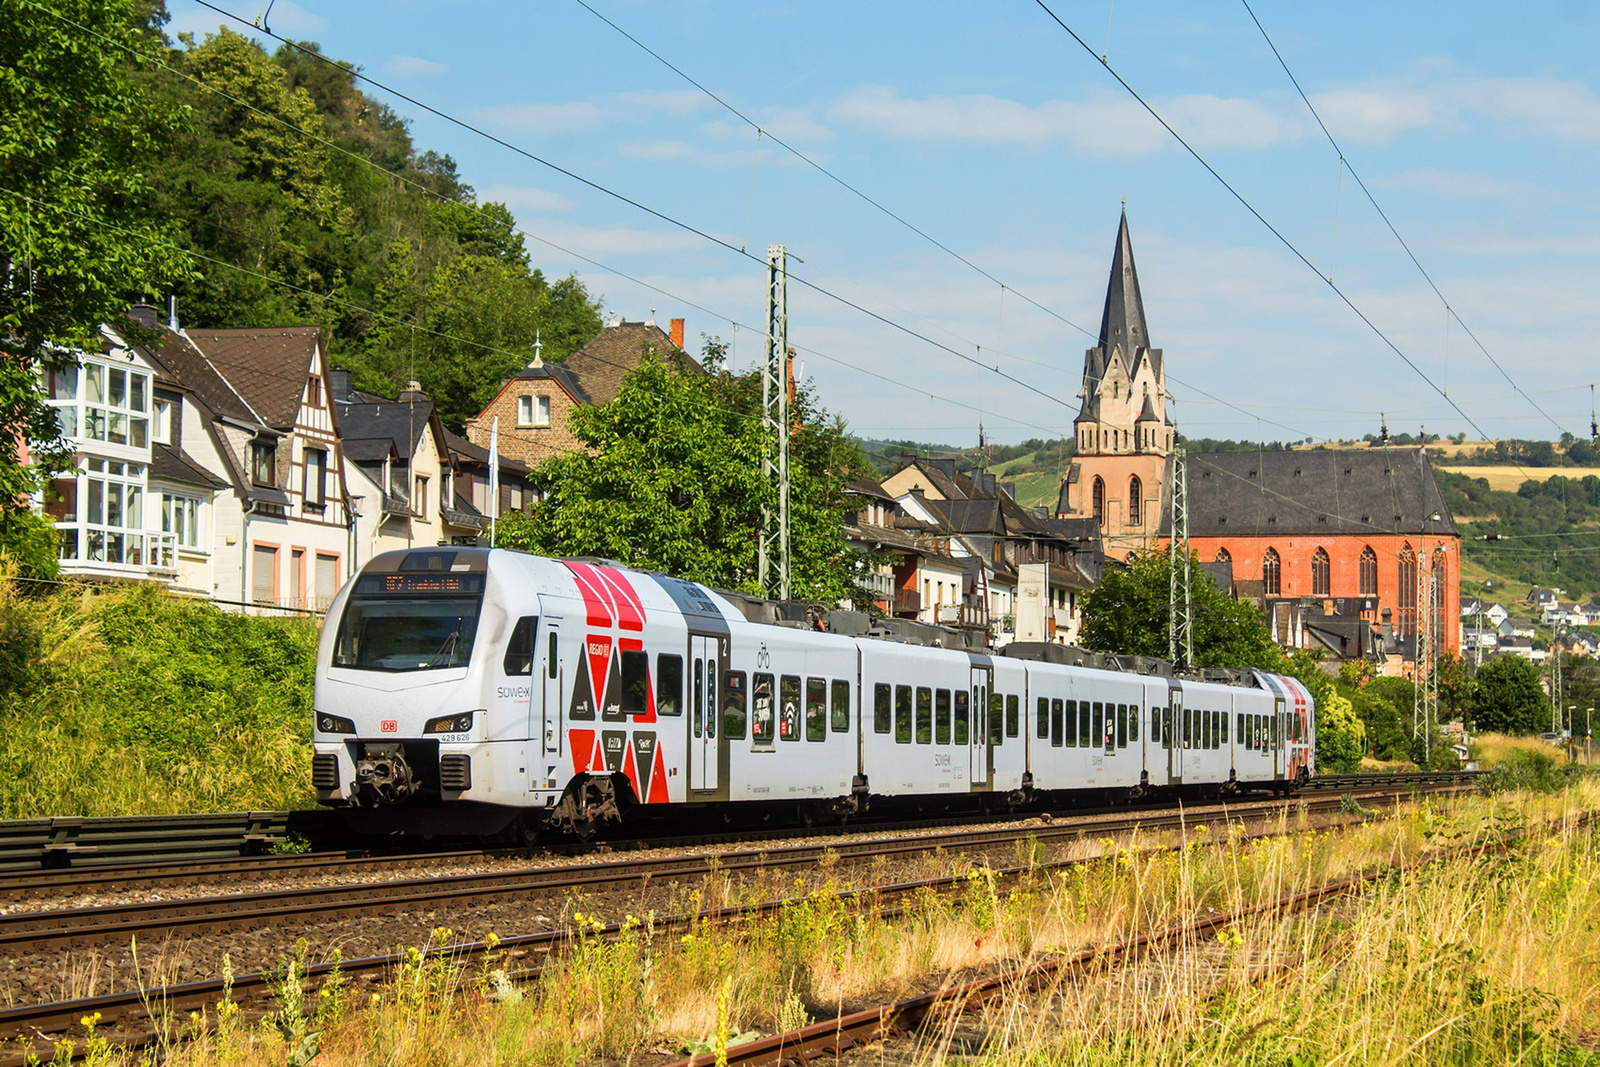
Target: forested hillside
<point>1551,528</point>
<point>306,201</point>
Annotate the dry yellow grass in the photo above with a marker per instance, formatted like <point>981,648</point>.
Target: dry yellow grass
<point>1477,944</point>
<point>1510,479</point>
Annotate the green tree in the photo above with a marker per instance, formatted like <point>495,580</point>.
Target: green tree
<point>1127,613</point>
<point>76,137</point>
<point>1509,698</point>
<point>671,480</point>
<point>1388,738</point>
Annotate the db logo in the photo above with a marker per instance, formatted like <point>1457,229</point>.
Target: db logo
<point>389,726</point>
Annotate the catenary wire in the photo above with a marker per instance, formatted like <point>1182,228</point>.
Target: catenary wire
<point>1449,308</point>
<point>543,240</point>
<point>1293,249</point>
<point>690,228</point>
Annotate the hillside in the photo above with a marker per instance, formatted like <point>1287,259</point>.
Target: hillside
<point>1551,529</point>
<point>307,202</point>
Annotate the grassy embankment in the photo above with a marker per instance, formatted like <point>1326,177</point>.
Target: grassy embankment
<point>1485,959</point>
<point>130,701</point>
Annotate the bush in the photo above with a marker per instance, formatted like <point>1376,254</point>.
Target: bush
<point>1526,769</point>
<point>1509,698</point>
<point>139,702</point>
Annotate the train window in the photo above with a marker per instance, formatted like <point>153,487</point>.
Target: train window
<point>1187,713</point>
<point>839,705</point>
<point>553,660</point>
<point>1098,731</point>
<point>519,651</point>
<point>1165,730</point>
<point>1083,724</point>
<point>816,709</point>
<point>762,711</point>
<point>997,718</point>
<point>1122,726</point>
<point>1275,719</point>
<point>789,708</point>
<point>697,701</point>
<point>1238,725</point>
<point>1044,717</point>
<point>924,715</point>
<point>902,714</point>
<point>669,685</point>
<point>1222,741</point>
<point>1057,723</point>
<point>882,708</point>
<point>941,717</point>
<point>733,706</point>
<point>635,683</point>
<point>1069,723</point>
<point>1133,724</point>
<point>1012,714</point>
<point>960,712</point>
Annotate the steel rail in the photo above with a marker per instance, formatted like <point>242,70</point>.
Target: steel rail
<point>32,931</point>
<point>41,1020</point>
<point>76,853</point>
<point>834,1036</point>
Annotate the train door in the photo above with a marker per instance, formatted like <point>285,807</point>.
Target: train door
<point>703,714</point>
<point>978,732</point>
<point>550,681</point>
<point>1280,738</point>
<point>1176,730</point>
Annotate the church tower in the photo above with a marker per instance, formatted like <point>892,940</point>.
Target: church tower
<point>1124,437</point>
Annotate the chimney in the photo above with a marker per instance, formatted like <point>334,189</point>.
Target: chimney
<point>144,315</point>
<point>677,332</point>
<point>172,313</point>
<point>413,392</point>
<point>339,383</point>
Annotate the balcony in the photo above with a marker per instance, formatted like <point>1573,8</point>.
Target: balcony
<point>907,602</point>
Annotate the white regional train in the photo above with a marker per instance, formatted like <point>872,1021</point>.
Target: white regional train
<point>481,690</point>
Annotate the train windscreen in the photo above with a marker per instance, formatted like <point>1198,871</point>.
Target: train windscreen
<point>421,622</point>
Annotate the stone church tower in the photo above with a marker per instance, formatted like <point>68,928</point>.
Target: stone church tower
<point>1124,438</point>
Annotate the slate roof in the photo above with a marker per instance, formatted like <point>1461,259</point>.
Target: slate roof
<point>187,365</point>
<point>951,484</point>
<point>402,422</point>
<point>1122,321</point>
<point>601,364</point>
<point>563,375</point>
<point>460,446</point>
<point>870,488</point>
<point>168,464</point>
<point>368,449</point>
<point>1345,491</point>
<point>267,367</point>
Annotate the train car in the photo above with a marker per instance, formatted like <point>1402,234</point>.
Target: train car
<point>474,691</point>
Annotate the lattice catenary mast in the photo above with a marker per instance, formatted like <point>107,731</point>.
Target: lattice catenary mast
<point>1180,616</point>
<point>773,562</point>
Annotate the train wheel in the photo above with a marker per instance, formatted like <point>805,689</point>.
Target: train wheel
<point>524,830</point>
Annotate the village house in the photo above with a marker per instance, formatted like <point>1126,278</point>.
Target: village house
<point>535,407</point>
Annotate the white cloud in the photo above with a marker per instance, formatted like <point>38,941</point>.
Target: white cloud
<point>525,198</point>
<point>794,125</point>
<point>1101,124</point>
<point>412,67</point>
<point>544,118</point>
<point>1474,185</point>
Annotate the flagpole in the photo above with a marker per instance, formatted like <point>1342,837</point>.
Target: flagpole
<point>494,476</point>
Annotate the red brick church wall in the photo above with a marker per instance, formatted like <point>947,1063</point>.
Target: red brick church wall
<point>1344,570</point>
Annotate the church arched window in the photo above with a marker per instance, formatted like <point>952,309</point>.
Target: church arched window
<point>1321,577</point>
<point>1272,573</point>
<point>1407,594</point>
<point>1099,501</point>
<point>1369,572</point>
<point>1224,556</point>
<point>1135,501</point>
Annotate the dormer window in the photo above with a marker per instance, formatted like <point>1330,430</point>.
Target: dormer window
<point>264,462</point>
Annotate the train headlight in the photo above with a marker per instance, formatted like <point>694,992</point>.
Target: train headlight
<point>458,723</point>
<point>334,724</point>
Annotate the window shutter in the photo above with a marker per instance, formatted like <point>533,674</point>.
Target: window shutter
<point>327,580</point>
<point>263,574</point>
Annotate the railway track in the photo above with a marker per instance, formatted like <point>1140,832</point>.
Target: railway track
<point>523,954</point>
<point>833,1037</point>
<point>42,855</point>
<point>60,928</point>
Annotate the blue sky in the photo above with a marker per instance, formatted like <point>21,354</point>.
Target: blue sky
<point>1476,126</point>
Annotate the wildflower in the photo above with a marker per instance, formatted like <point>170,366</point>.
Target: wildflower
<point>88,1022</point>
<point>1200,829</point>
<point>491,940</point>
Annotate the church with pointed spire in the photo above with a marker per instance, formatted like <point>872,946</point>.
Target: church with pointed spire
<point>1118,475</point>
